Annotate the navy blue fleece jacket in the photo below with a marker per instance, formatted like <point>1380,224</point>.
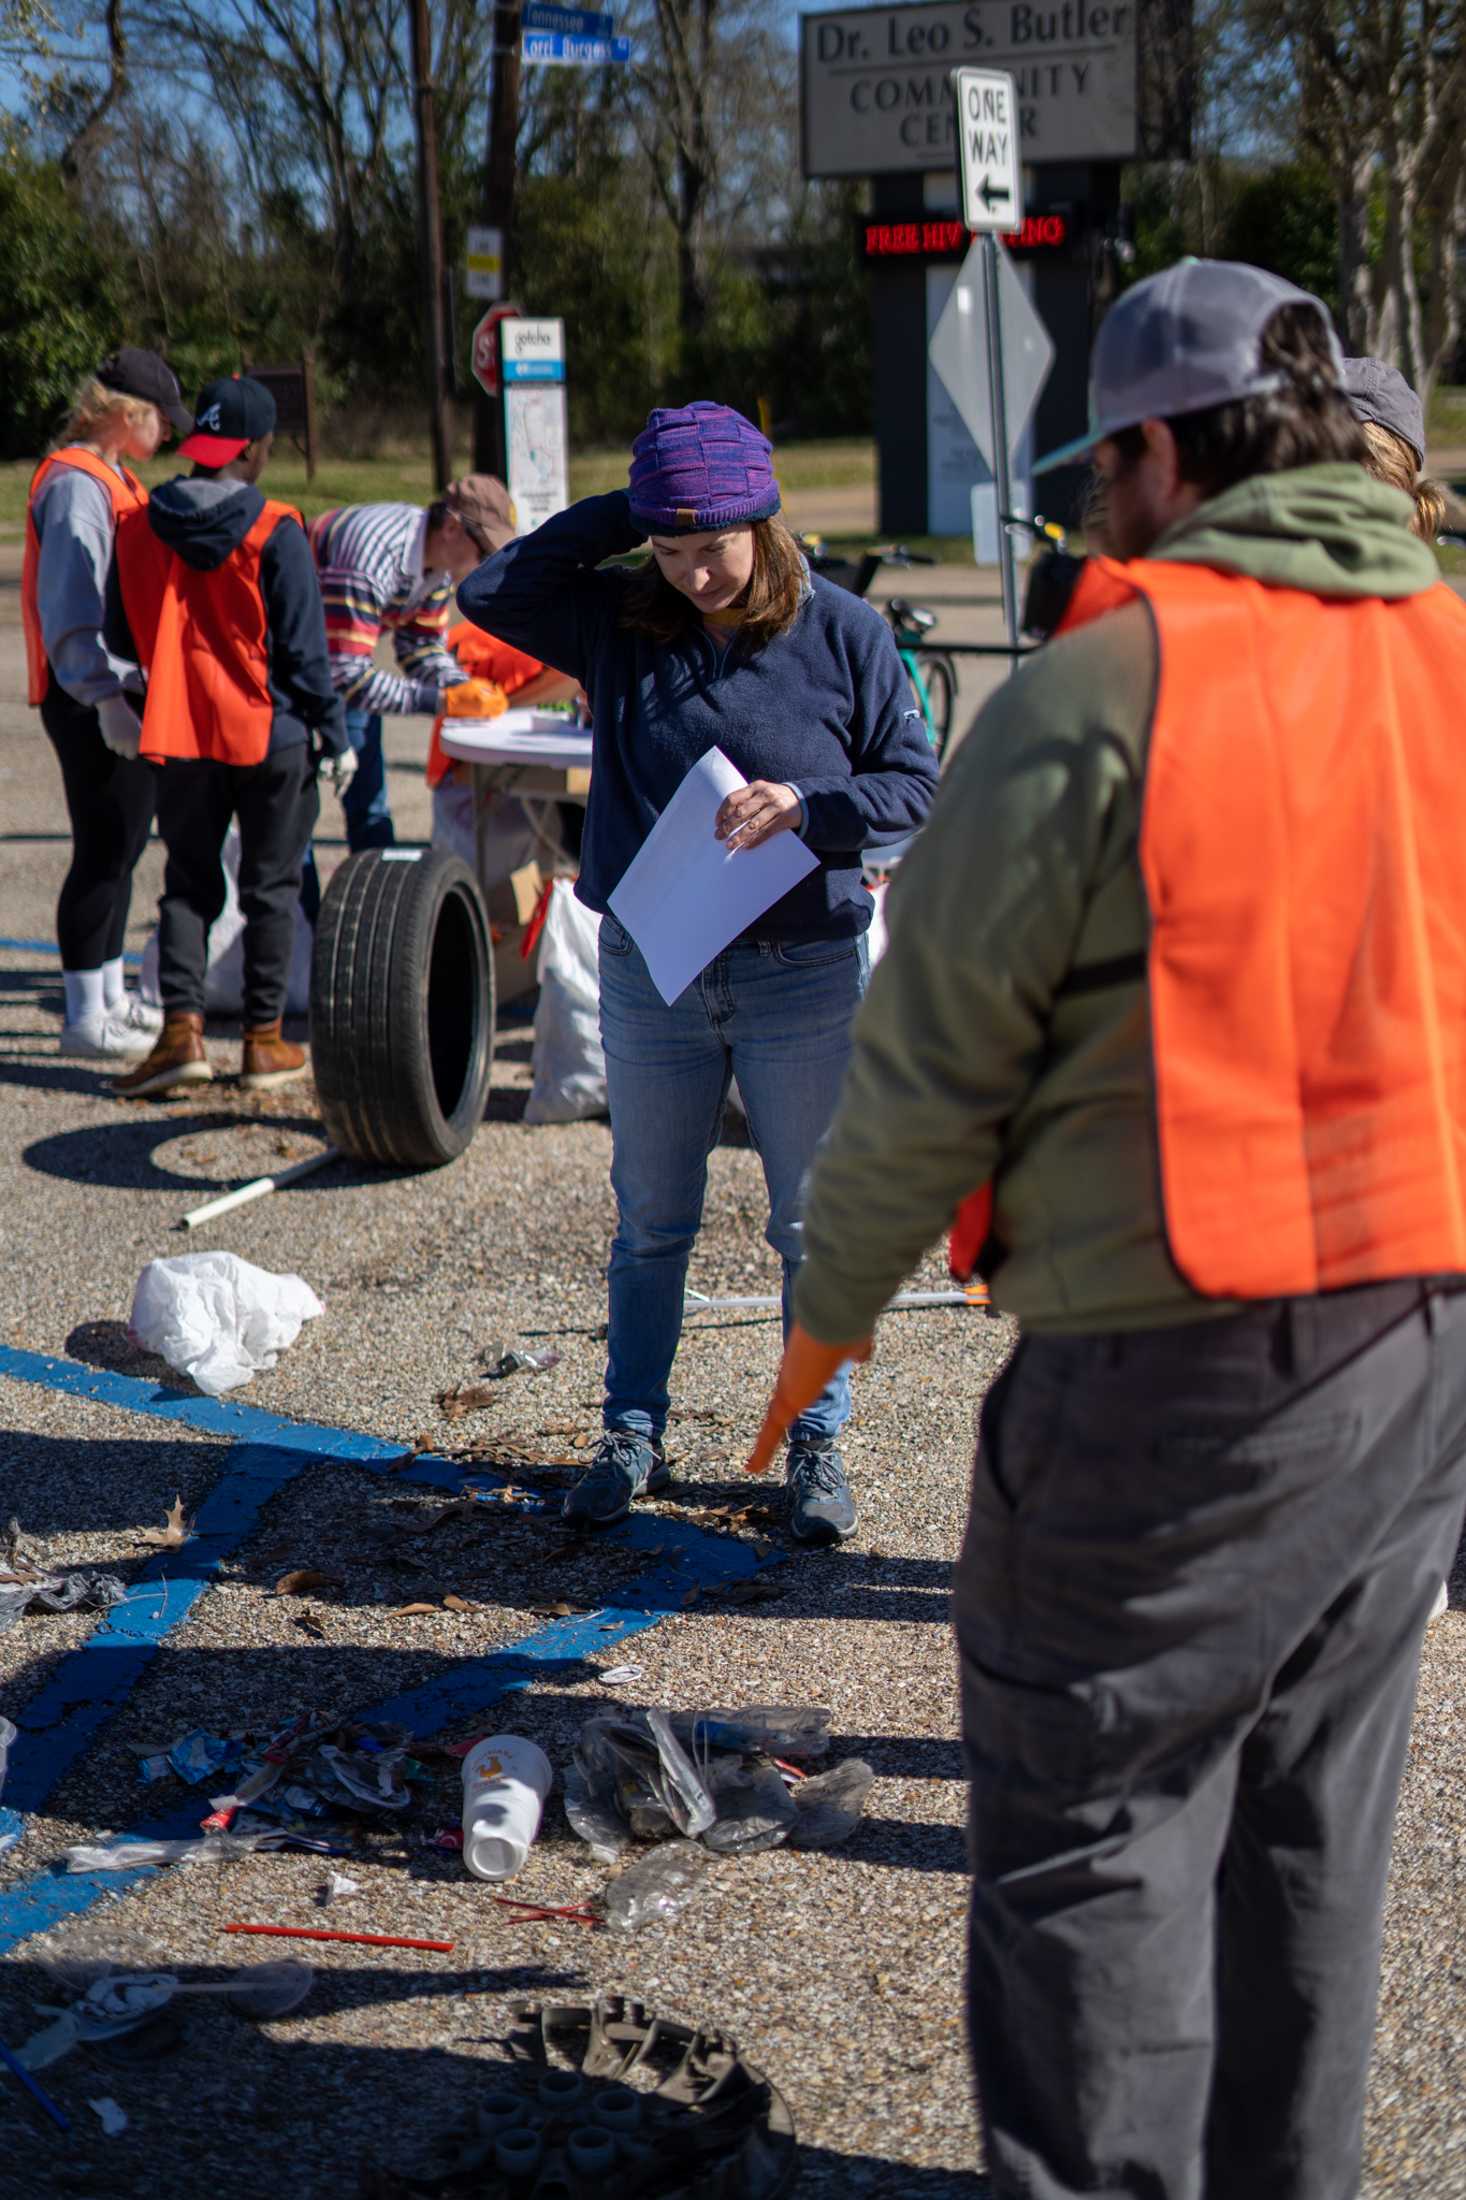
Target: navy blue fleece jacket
<point>825,707</point>
<point>205,519</point>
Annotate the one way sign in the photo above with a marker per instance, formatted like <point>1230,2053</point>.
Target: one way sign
<point>987,139</point>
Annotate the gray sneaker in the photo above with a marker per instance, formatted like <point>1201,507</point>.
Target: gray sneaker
<point>626,1466</point>
<point>821,1508</point>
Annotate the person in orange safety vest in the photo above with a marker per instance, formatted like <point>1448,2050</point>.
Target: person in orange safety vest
<point>85,692</point>
<point>1179,975</point>
<point>217,593</point>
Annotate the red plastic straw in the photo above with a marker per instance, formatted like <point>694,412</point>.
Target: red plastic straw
<point>364,1940</point>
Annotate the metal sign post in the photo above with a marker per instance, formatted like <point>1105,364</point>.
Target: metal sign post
<point>992,200</point>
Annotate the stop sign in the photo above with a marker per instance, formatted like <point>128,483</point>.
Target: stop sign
<point>486,348</point>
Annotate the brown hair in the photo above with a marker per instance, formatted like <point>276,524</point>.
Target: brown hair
<point>1305,421</point>
<point>769,605</point>
<point>1389,458</point>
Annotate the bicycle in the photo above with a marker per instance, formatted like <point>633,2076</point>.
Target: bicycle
<point>930,669</point>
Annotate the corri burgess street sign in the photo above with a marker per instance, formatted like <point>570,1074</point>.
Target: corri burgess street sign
<point>987,149</point>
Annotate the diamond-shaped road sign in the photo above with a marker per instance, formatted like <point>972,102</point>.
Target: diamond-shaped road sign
<point>958,351</point>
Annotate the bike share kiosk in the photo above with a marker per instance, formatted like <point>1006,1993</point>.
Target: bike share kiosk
<point>1098,83</point>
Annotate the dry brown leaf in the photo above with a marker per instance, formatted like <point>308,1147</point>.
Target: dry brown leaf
<point>174,1531</point>
<point>466,1398</point>
<point>303,1580</point>
<point>406,1611</point>
<point>691,1598</point>
<point>456,1604</point>
<point>560,1610</point>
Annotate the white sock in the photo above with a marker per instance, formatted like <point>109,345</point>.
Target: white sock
<point>86,996</point>
<point>112,984</point>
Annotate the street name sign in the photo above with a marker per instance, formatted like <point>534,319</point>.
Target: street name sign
<point>562,49</point>
<point>987,149</point>
<point>542,15</point>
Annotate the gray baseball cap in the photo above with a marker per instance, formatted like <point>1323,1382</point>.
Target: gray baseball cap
<point>1181,342</point>
<point>1380,393</point>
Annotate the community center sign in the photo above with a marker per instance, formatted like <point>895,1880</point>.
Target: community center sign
<point>875,95</point>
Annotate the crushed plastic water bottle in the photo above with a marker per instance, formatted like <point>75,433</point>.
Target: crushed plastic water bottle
<point>594,1819</point>
<point>657,1887</point>
<point>755,1809</point>
<point>827,1808</point>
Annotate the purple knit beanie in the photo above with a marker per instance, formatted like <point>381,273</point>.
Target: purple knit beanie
<point>699,466</point>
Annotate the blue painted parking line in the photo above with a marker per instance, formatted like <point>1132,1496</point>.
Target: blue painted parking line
<point>93,1681</point>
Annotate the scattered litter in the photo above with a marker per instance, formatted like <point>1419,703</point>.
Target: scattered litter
<point>114,2118</point>
<point>362,1940</point>
<point>303,1772</point>
<point>827,1808</point>
<point>573,1913</point>
<point>121,1854</point>
<point>217,1318</point>
<point>25,1580</point>
<point>301,1582</point>
<point>522,1363</point>
<point>37,2093</point>
<point>505,1782</point>
<point>617,1676</point>
<point>336,1889</point>
<point>115,2004</point>
<point>721,1777</point>
<point>658,1886</point>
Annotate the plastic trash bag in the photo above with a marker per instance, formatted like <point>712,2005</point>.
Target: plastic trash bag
<point>224,967</point>
<point>569,1065</point>
<point>778,1730</point>
<point>827,1808</point>
<point>657,1886</point>
<point>216,1318</point>
<point>755,1809</point>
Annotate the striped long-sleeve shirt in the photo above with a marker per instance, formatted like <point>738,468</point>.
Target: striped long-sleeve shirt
<point>370,561</point>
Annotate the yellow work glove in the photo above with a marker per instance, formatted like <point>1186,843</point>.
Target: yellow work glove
<point>474,699</point>
<point>803,1373</point>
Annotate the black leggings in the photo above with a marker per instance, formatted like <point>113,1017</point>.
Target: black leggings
<point>110,802</point>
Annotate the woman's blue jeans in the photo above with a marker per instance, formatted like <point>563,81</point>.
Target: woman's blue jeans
<point>774,1014</point>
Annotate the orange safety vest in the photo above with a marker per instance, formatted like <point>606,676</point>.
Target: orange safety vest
<point>127,494</point>
<point>203,639</point>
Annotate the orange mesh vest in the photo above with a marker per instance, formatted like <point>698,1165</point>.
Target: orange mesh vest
<point>1301,846</point>
<point>203,640</point>
<point>127,494</point>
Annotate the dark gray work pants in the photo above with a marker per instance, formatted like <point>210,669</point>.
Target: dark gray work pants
<point>1190,1603</point>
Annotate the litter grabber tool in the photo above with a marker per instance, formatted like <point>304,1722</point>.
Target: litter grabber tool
<point>807,1366</point>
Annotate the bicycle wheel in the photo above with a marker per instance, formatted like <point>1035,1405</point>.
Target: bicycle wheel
<point>939,676</point>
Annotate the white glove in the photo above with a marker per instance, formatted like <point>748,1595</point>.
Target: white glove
<point>340,769</point>
<point>119,726</point>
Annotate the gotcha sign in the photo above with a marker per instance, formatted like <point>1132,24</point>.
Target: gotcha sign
<point>875,98</point>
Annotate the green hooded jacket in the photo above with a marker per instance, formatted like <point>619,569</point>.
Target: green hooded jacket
<point>1006,1034</point>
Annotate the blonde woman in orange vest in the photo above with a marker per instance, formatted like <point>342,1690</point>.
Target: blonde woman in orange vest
<point>1180,973</point>
<point>80,489</point>
<point>217,595</point>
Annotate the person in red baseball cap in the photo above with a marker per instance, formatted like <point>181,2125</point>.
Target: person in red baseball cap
<point>218,596</point>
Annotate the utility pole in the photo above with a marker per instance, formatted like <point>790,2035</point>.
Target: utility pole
<point>499,177</point>
<point>430,217</point>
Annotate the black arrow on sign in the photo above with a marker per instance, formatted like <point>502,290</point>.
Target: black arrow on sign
<point>987,194</point>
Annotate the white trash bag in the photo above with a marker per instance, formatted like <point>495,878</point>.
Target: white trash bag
<point>216,1318</point>
<point>569,1067</point>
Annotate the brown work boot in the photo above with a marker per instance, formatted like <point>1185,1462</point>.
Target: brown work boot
<point>270,1060</point>
<point>177,1059</point>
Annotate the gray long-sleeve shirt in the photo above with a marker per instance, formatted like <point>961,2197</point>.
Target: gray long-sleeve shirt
<point>75,528</point>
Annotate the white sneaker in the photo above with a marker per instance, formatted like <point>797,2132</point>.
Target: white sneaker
<point>139,1015</point>
<point>109,1038</point>
<point>1441,1606</point>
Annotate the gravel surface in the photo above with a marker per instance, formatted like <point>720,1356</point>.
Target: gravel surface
<point>839,1974</point>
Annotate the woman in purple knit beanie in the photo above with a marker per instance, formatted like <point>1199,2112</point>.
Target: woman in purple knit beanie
<point>720,639</point>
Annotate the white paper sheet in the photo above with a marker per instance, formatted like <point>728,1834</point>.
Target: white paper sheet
<point>687,894</point>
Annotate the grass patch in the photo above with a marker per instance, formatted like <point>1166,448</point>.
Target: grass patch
<point>405,475</point>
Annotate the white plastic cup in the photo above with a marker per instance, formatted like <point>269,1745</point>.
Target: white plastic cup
<point>505,1782</point>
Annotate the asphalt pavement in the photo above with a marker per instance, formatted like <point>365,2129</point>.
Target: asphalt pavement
<point>838,1973</point>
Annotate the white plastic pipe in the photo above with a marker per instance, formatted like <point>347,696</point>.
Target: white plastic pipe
<point>243,1193</point>
<point>973,1295</point>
